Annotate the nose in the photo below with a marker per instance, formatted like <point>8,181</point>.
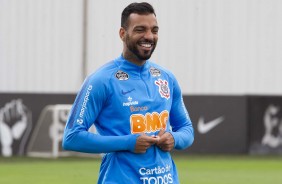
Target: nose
<point>149,35</point>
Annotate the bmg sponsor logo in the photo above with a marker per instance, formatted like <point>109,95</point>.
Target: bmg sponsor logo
<point>150,122</point>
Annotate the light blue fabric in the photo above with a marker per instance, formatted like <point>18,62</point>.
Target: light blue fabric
<point>122,100</point>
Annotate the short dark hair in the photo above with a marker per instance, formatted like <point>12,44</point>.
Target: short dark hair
<point>139,8</point>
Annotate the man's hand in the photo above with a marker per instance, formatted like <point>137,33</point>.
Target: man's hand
<point>166,141</point>
<point>144,142</point>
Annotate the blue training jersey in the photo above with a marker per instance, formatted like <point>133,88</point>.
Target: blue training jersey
<point>124,100</point>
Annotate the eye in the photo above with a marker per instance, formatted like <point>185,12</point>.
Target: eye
<point>139,29</point>
<point>155,30</point>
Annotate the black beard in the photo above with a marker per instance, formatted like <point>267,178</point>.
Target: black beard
<point>135,51</point>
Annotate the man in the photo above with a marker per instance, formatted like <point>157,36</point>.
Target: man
<point>137,108</point>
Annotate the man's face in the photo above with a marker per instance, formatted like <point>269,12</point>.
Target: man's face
<point>140,37</point>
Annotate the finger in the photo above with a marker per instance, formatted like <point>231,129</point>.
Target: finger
<point>146,140</point>
<point>156,137</point>
<point>169,140</point>
<point>163,147</point>
<point>140,151</point>
<point>168,143</point>
<point>166,147</point>
<point>153,140</point>
<point>161,135</point>
<point>164,140</point>
<point>161,132</point>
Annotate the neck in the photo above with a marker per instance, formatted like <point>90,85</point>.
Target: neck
<point>133,59</point>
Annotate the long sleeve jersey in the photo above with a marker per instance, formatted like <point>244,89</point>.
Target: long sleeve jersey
<point>124,100</point>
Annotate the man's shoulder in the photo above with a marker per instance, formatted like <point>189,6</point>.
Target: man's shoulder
<point>105,71</point>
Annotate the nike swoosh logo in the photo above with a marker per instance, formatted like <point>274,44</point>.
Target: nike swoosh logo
<point>125,92</point>
<point>208,126</point>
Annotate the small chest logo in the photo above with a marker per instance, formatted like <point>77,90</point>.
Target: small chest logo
<point>130,102</point>
<point>120,75</point>
<point>155,72</point>
<point>163,88</point>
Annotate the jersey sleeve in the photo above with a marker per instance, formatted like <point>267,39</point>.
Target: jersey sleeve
<point>88,104</point>
<point>182,128</point>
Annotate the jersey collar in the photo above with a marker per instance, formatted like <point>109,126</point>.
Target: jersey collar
<point>131,68</point>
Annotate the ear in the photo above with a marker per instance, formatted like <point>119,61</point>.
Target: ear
<point>122,33</point>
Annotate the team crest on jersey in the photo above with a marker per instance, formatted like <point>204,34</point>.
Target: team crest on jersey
<point>163,88</point>
<point>155,72</point>
<point>120,75</point>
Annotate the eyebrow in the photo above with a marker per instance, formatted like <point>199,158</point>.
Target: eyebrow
<point>140,26</point>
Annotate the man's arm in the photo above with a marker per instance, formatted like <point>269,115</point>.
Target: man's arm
<point>84,141</point>
<point>88,104</point>
<point>182,128</point>
<point>85,110</point>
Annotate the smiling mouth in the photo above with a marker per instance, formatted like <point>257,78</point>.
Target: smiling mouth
<point>146,45</point>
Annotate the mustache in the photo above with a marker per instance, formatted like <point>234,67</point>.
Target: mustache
<point>147,41</point>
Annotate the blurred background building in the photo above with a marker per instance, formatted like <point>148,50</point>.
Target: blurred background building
<point>226,55</point>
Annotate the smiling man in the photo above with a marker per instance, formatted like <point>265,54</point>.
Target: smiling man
<point>140,36</point>
<point>136,107</point>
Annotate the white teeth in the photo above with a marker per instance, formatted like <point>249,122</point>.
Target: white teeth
<point>147,45</point>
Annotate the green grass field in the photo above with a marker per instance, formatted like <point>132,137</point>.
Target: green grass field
<point>192,170</point>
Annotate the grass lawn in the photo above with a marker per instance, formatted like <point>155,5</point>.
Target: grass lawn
<point>192,170</point>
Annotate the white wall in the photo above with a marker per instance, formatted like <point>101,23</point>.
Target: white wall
<point>40,45</point>
<point>212,46</point>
